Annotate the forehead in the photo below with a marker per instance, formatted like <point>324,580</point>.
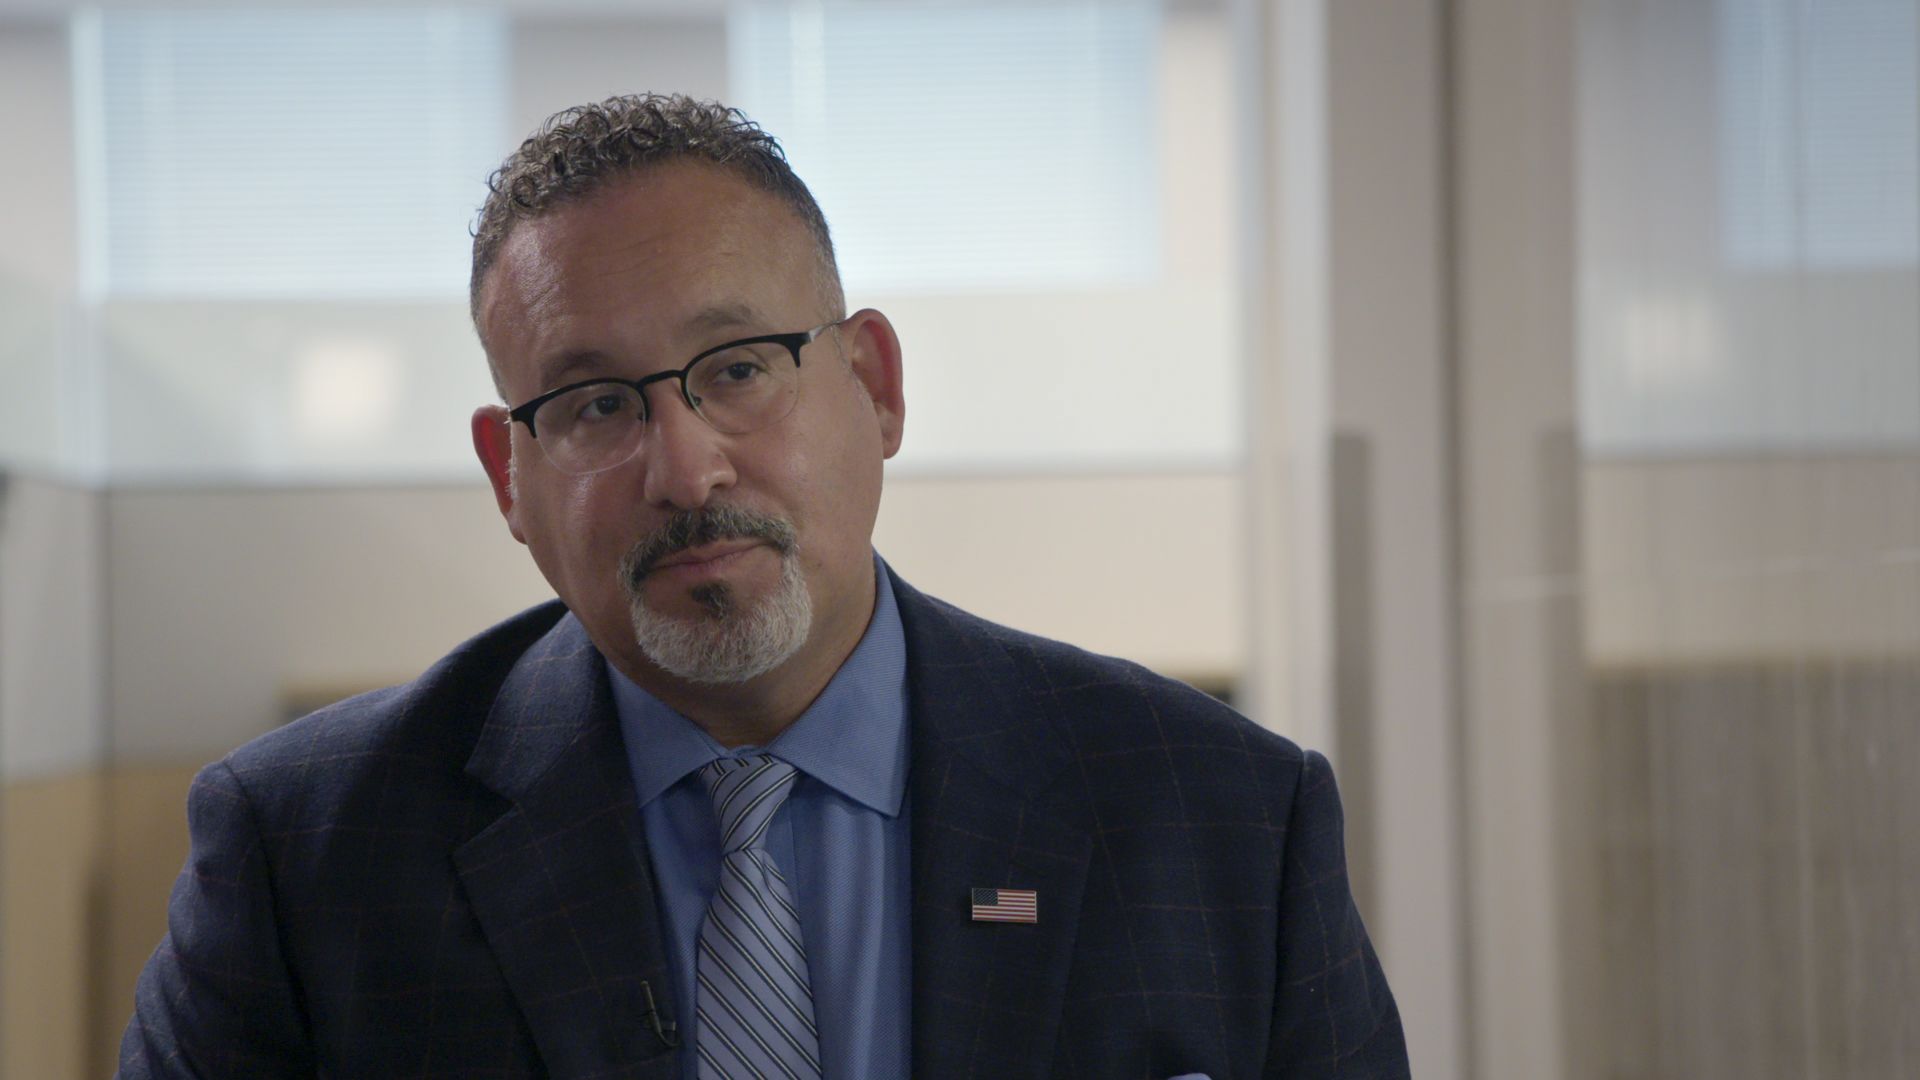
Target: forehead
<point>648,260</point>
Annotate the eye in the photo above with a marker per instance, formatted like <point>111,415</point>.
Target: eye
<point>740,370</point>
<point>603,405</point>
<point>733,373</point>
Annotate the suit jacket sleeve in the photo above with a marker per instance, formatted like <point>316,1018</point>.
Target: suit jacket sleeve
<point>216,999</point>
<point>1333,1013</point>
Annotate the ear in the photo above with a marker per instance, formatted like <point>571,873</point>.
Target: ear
<point>493,442</point>
<point>873,350</point>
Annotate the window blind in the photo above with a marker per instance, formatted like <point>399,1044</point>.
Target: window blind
<point>1820,138</point>
<point>288,153</point>
<point>962,147</point>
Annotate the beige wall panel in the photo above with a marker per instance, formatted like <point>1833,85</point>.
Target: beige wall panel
<point>1144,566</point>
<point>51,872</point>
<point>1744,559</point>
<point>87,861</point>
<point>227,602</point>
<point>145,845</point>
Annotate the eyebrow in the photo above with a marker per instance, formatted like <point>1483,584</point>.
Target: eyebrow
<point>563,368</point>
<point>560,370</point>
<point>724,316</point>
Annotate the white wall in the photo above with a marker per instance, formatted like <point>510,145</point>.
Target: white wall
<point>38,258</point>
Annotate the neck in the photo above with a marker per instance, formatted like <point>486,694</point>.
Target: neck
<point>752,713</point>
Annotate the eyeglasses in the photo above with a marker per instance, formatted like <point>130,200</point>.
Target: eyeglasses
<point>736,388</point>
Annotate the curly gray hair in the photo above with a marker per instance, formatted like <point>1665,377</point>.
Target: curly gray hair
<point>578,150</point>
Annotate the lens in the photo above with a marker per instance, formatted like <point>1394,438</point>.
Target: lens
<point>746,387</point>
<point>592,427</point>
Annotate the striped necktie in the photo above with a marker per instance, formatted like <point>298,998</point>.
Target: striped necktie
<point>753,1003</point>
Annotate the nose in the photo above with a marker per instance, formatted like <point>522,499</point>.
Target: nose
<point>683,460</point>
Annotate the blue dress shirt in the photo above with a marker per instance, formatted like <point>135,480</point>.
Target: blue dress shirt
<point>841,840</point>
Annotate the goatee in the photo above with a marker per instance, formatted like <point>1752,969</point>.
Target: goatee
<point>731,640</point>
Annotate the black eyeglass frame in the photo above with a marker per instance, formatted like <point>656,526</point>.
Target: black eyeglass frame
<point>793,342</point>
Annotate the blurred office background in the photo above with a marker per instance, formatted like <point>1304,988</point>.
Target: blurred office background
<point>1517,399</point>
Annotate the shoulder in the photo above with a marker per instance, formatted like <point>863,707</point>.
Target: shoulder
<point>428,725</point>
<point>1113,716</point>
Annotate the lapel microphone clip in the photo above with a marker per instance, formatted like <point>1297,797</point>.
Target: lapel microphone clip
<point>663,1029</point>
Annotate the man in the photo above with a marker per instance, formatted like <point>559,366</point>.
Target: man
<point>742,803</point>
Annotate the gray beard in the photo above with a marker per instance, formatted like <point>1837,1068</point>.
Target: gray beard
<point>728,642</point>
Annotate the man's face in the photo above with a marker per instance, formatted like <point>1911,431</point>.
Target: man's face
<point>701,533</point>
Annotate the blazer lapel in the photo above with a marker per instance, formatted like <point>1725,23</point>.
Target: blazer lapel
<point>561,883</point>
<point>987,996</point>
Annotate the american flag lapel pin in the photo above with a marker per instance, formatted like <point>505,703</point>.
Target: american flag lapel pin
<point>1006,905</point>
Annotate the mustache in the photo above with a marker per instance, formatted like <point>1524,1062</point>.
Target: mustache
<point>692,528</point>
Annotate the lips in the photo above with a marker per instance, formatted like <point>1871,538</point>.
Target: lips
<point>700,556</point>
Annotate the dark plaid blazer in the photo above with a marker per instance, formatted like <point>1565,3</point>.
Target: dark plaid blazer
<point>449,879</point>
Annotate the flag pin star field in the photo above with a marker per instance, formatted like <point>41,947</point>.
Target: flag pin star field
<point>1006,905</point>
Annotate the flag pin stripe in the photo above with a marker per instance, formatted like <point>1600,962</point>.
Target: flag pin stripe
<point>1006,905</point>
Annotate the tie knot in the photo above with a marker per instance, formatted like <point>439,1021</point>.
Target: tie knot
<point>746,792</point>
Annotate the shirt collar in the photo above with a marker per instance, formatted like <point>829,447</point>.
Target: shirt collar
<point>853,738</point>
